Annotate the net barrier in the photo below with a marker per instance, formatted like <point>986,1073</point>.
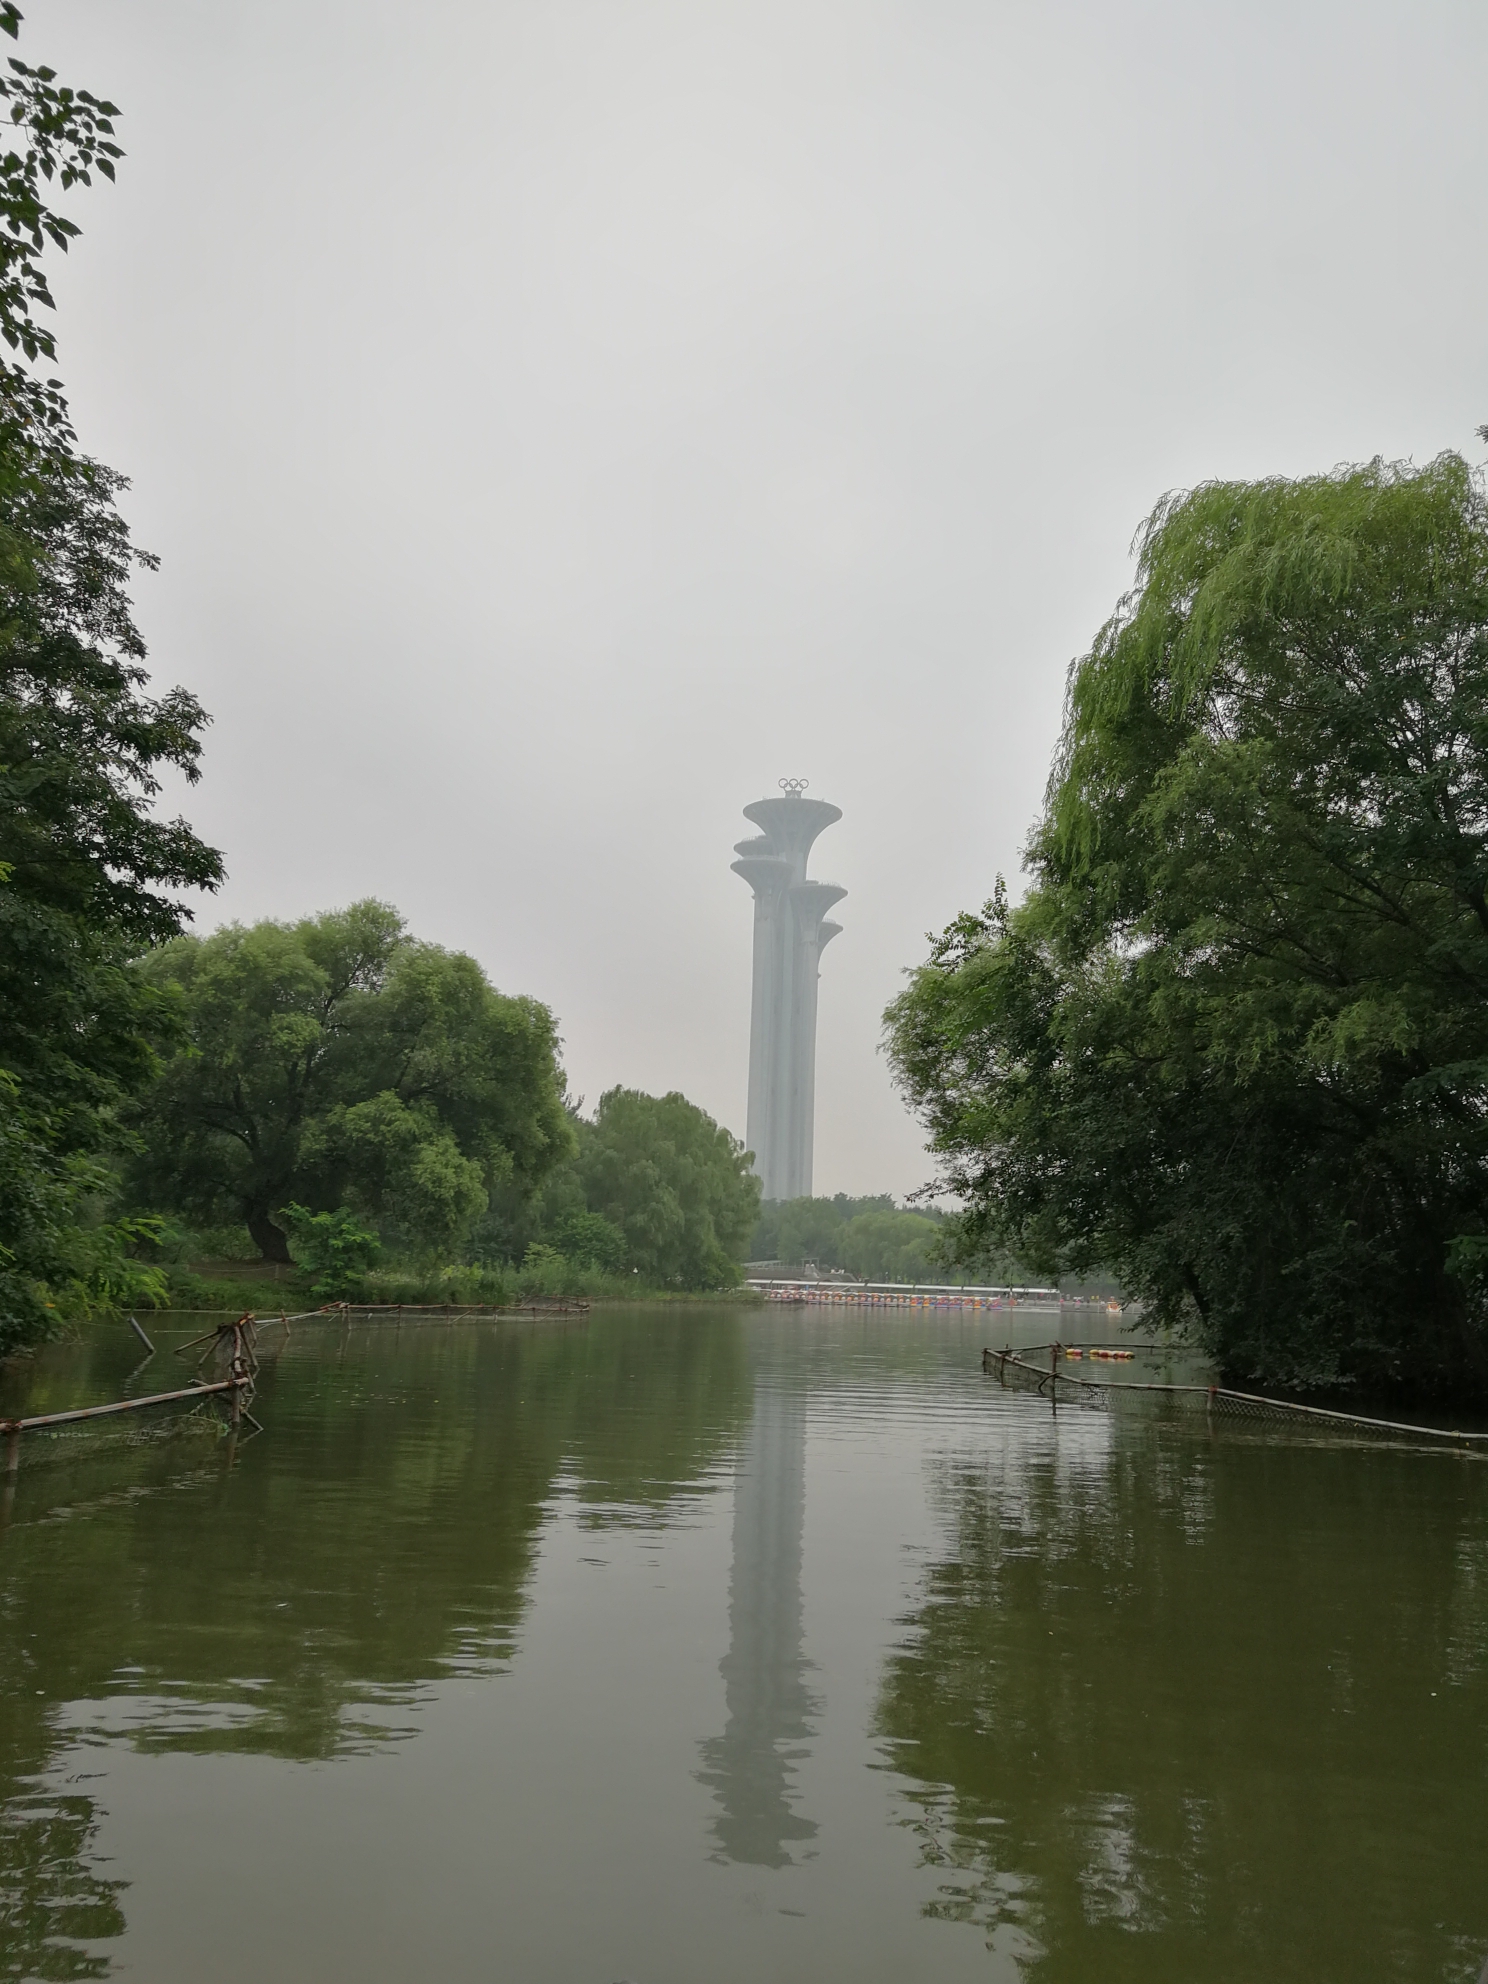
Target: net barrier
<point>1044,1369</point>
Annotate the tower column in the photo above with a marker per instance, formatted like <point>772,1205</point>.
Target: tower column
<point>790,929</point>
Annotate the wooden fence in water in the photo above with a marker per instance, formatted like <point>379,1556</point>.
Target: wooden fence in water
<point>234,1346</point>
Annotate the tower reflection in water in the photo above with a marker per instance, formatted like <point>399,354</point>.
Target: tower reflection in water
<point>751,1767</point>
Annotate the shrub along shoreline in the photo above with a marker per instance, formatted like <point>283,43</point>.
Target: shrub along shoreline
<point>501,1287</point>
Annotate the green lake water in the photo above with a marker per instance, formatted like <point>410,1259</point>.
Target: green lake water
<point>692,1646</point>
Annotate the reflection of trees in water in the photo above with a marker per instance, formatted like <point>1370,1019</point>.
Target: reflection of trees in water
<point>379,1536</point>
<point>751,1766</point>
<point>1169,1713</point>
<point>50,1899</point>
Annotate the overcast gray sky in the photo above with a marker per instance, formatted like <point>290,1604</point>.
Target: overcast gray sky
<point>559,421</point>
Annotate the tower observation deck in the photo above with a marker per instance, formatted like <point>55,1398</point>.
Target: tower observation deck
<point>790,930</point>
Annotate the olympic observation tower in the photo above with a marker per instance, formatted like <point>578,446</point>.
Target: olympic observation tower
<point>790,929</point>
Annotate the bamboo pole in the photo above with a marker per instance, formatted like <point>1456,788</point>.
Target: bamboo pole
<point>13,1428</point>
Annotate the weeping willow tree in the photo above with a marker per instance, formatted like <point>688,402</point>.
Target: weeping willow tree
<point>1234,1043</point>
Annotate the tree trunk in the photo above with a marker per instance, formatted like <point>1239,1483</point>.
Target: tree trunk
<point>271,1243</point>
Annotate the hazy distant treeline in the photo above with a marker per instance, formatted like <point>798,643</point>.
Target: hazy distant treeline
<point>876,1239</point>
<point>871,1237</point>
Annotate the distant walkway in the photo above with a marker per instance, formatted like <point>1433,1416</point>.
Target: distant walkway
<point>919,1295</point>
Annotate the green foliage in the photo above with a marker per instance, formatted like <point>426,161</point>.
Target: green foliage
<point>205,1292</point>
<point>807,1229</point>
<point>88,868</point>
<point>655,1196</point>
<point>869,1237</point>
<point>88,872</point>
<point>59,1260</point>
<point>461,1283</point>
<point>892,1246</point>
<point>334,1248</point>
<point>590,1240</point>
<point>205,1243</point>
<point>673,1183</point>
<point>65,135</point>
<point>336,1062</point>
<point>41,1188</point>
<point>1235,1042</point>
<point>108,1273</point>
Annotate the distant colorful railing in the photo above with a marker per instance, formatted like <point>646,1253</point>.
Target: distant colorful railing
<point>918,1295</point>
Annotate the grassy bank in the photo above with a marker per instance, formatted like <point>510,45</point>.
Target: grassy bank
<point>502,1287</point>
